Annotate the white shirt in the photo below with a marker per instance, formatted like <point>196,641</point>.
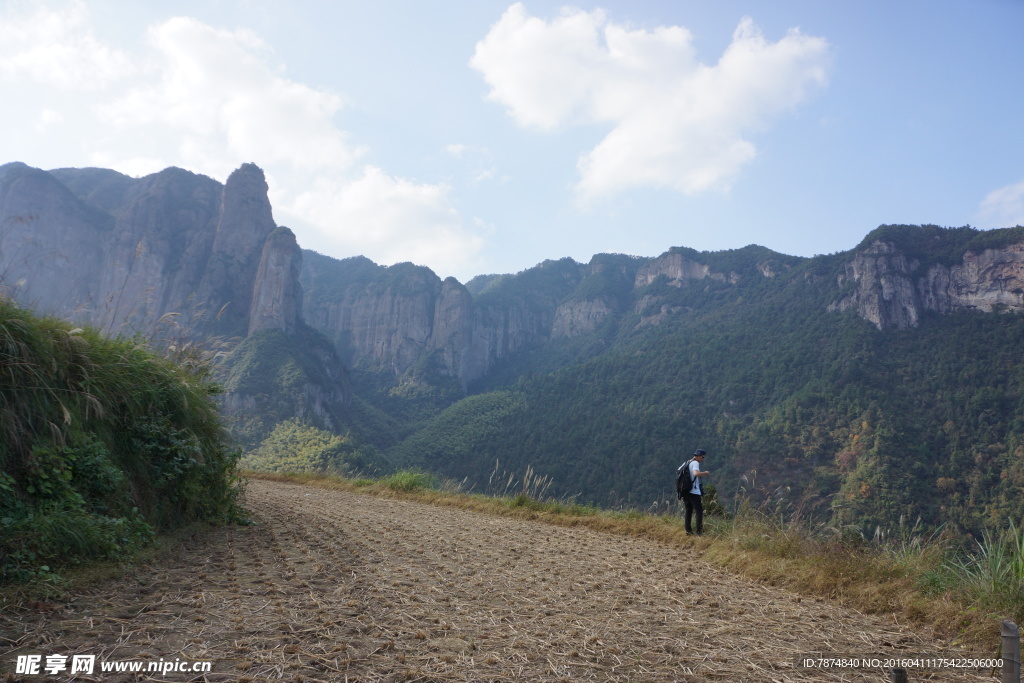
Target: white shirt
<point>694,469</point>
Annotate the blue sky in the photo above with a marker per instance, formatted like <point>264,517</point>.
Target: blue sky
<point>484,137</point>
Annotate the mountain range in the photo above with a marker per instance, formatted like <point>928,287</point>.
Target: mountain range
<point>864,387</point>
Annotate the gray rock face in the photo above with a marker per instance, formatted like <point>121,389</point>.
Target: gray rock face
<point>676,267</point>
<point>393,317</point>
<point>126,254</point>
<point>51,244</point>
<point>120,253</point>
<point>988,281</point>
<point>385,316</point>
<point>889,290</point>
<point>276,294</point>
<point>678,270</point>
<point>244,223</point>
<point>156,258</point>
<point>499,330</point>
<point>884,294</point>
<point>577,317</point>
<point>452,332</point>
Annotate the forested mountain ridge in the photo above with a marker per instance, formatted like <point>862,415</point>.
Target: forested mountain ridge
<point>396,316</point>
<point>860,386</point>
<point>393,317</point>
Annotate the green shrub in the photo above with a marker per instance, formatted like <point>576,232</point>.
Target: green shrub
<point>409,480</point>
<point>295,446</point>
<point>102,441</point>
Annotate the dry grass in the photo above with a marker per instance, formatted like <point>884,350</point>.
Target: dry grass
<point>330,583</point>
<point>858,577</point>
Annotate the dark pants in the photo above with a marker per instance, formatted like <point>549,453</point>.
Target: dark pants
<point>693,503</point>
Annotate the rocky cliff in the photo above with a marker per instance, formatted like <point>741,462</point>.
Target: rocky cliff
<point>990,280</point>
<point>892,284</point>
<point>128,255</point>
<point>51,244</point>
<point>393,317</point>
<point>577,317</point>
<point>677,269</point>
<point>276,295</point>
<point>120,253</point>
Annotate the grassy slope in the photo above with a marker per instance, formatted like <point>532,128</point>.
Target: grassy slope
<point>102,442</point>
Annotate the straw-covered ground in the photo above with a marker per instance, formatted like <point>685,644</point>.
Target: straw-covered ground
<point>332,585</point>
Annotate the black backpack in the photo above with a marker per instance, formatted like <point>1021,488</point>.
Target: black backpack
<point>684,482</point>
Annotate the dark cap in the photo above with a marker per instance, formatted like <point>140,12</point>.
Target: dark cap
<point>699,451</point>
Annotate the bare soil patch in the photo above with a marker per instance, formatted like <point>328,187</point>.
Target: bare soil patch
<point>333,586</point>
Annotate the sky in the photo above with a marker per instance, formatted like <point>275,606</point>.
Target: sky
<point>481,136</point>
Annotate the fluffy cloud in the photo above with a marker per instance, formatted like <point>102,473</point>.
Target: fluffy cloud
<point>1003,207</point>
<point>675,122</point>
<point>391,218</point>
<point>57,47</point>
<point>208,100</point>
<point>216,94</point>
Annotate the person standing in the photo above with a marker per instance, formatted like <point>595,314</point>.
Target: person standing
<point>693,499</point>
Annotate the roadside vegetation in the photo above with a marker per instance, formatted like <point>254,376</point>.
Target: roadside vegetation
<point>960,587</point>
<point>104,443</point>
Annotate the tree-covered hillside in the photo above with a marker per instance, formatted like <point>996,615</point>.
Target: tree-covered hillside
<point>818,410</point>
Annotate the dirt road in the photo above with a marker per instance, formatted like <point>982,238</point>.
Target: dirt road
<point>336,586</point>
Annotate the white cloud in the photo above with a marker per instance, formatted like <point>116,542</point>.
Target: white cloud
<point>1003,207</point>
<point>209,100</point>
<point>215,94</point>
<point>389,220</point>
<point>675,122</point>
<point>134,166</point>
<point>47,118</point>
<point>57,47</point>
<point>478,160</point>
<point>227,104</point>
<point>542,71</point>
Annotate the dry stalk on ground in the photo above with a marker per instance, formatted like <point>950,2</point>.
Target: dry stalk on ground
<point>334,586</point>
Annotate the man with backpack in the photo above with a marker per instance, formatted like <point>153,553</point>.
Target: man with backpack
<point>688,487</point>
